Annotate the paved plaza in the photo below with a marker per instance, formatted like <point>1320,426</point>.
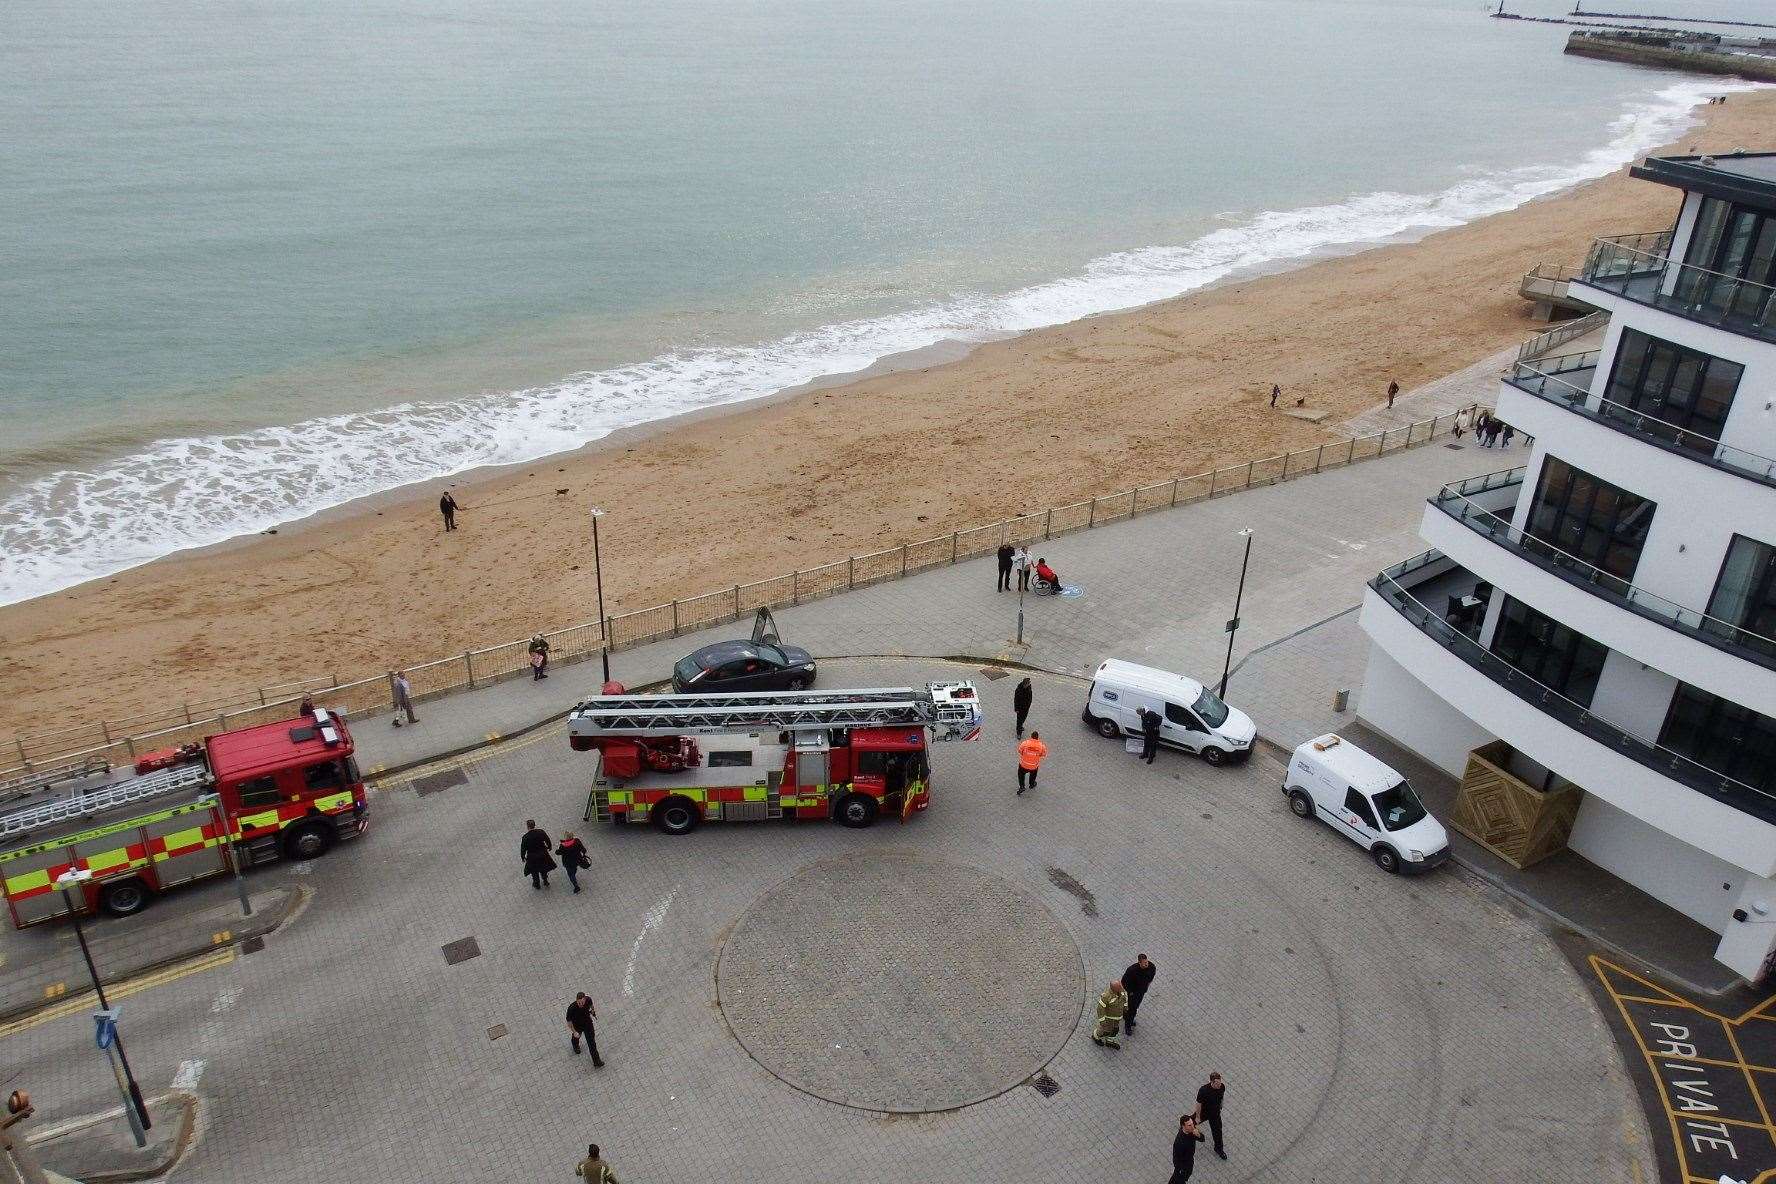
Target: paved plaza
<point>1371,1028</point>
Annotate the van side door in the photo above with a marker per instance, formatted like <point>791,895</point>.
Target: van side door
<point>1357,817</point>
<point>1181,727</point>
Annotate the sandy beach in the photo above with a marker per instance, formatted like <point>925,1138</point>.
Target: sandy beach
<point>1041,419</point>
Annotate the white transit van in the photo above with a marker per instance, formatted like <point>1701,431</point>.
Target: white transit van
<point>1192,718</point>
<point>1367,802</point>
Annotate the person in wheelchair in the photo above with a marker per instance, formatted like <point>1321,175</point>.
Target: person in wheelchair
<point>1047,579</point>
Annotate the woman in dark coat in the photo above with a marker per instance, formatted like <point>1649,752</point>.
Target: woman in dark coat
<point>534,849</point>
<point>573,858</point>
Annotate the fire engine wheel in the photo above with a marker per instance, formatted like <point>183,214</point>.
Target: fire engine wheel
<point>308,840</point>
<point>124,897</point>
<point>1109,729</point>
<point>676,816</point>
<point>857,810</point>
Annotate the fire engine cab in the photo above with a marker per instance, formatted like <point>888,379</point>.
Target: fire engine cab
<point>288,789</point>
<point>680,760</point>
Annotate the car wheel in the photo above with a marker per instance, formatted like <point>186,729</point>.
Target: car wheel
<point>308,840</point>
<point>1387,859</point>
<point>1109,729</point>
<point>676,816</point>
<point>799,683</point>
<point>1301,804</point>
<point>1215,756</point>
<point>857,810</point>
<point>124,897</point>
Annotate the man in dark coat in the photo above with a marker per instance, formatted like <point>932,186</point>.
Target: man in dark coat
<point>1149,734</point>
<point>447,507</point>
<point>1005,553</point>
<point>1135,980</point>
<point>1184,1150</point>
<point>534,849</point>
<point>580,1014</point>
<point>1208,1107</point>
<point>1020,702</point>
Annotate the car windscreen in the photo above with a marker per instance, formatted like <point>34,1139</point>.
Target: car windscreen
<point>687,670</point>
<point>1210,709</point>
<point>1399,807</point>
<point>773,655</point>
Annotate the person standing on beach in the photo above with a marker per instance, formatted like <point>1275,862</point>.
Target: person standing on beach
<point>403,693</point>
<point>1020,702</point>
<point>533,849</point>
<point>1030,754</point>
<point>1276,392</point>
<point>447,507</point>
<point>1208,1107</point>
<point>1393,392</point>
<point>1135,980</point>
<point>580,1014</point>
<point>1184,1150</point>
<point>1005,553</point>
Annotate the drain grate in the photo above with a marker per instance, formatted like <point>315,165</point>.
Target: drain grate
<point>439,781</point>
<point>252,945</point>
<point>461,951</point>
<point>1045,1085</point>
<point>495,1032</point>
<point>993,673</point>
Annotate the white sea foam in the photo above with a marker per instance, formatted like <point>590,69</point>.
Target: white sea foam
<point>81,524</point>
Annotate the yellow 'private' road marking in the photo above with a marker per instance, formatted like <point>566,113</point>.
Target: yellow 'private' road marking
<point>87,1001</point>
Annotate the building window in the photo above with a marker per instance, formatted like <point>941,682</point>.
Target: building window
<point>1689,393</point>
<point>1745,594</point>
<point>1594,520</point>
<point>1555,656</point>
<point>1722,736</point>
<point>1732,253</point>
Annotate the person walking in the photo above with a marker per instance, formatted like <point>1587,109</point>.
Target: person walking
<point>1276,392</point>
<point>1020,703</point>
<point>1184,1150</point>
<point>403,693</point>
<point>593,1168</point>
<point>1135,980</point>
<point>1208,1107</point>
<point>533,849</point>
<point>1509,431</point>
<point>1030,754</point>
<point>573,857</point>
<point>1150,721</point>
<point>1020,562</point>
<point>580,1014</point>
<point>1005,553</point>
<point>1393,393</point>
<point>1112,1006</point>
<point>447,507</point>
<point>539,656</point>
<point>1461,423</point>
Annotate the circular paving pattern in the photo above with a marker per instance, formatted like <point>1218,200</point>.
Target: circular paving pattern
<point>899,984</point>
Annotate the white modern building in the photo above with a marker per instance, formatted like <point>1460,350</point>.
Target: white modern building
<point>1604,616</point>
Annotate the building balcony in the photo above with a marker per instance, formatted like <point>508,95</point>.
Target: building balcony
<point>1638,268</point>
<point>1566,382</point>
<point>1483,505</point>
<point>1624,767</point>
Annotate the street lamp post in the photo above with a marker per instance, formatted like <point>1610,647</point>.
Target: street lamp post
<point>1233,623</point>
<point>603,621</point>
<point>109,1037</point>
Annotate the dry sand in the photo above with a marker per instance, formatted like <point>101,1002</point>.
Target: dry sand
<point>1046,418</point>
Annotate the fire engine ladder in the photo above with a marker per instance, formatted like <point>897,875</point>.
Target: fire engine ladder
<point>81,804</point>
<point>950,709</point>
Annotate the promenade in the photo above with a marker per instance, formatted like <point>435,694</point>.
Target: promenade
<point>359,1042</point>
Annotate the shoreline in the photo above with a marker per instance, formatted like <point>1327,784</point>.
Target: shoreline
<point>959,435</point>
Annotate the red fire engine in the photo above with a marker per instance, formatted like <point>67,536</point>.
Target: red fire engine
<point>283,789</point>
<point>684,759</point>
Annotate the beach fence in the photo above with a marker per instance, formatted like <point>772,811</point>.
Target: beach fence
<point>116,742</point>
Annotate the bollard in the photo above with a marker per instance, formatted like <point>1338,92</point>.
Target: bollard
<point>1340,700</point>
<point>1317,456</point>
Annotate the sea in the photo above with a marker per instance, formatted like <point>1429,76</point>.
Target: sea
<point>261,258</point>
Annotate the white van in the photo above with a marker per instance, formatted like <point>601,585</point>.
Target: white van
<point>1192,718</point>
<point>1367,802</point>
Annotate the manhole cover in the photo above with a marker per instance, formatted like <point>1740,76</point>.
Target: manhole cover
<point>437,781</point>
<point>461,950</point>
<point>860,982</point>
<point>993,673</point>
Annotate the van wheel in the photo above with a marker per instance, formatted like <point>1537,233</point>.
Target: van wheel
<point>1301,804</point>
<point>1387,859</point>
<point>857,810</point>
<point>124,897</point>
<point>1109,729</point>
<point>676,816</point>
<point>1214,756</point>
<point>308,840</point>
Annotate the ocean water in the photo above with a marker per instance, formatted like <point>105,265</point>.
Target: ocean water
<point>259,258</point>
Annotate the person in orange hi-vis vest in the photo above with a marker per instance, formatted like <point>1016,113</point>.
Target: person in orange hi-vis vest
<point>1030,754</point>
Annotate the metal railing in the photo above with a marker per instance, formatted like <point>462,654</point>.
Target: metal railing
<point>120,741</point>
<point>1544,383</point>
<point>1638,267</point>
<point>1650,753</point>
<point>1560,334</point>
<point>1455,500</point>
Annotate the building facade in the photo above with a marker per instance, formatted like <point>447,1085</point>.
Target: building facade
<point>1606,607</point>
